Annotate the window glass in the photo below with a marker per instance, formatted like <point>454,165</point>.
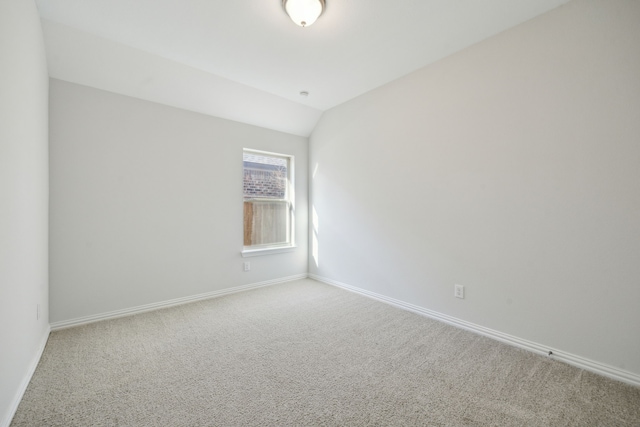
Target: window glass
<point>267,181</point>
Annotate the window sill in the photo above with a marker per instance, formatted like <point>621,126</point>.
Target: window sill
<point>267,251</point>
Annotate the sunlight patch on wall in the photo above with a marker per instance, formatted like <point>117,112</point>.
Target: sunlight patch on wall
<point>314,237</point>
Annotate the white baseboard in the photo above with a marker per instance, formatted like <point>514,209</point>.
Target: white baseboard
<point>26,380</point>
<point>169,303</point>
<point>572,359</point>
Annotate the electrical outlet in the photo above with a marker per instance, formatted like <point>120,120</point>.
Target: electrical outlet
<point>246,266</point>
<point>459,291</point>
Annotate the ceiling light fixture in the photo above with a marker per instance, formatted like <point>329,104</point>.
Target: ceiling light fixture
<point>303,12</point>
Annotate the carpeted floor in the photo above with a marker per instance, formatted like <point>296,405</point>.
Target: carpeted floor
<point>306,354</point>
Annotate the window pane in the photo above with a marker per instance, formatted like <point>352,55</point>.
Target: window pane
<point>267,207</point>
<point>265,176</point>
<point>266,223</point>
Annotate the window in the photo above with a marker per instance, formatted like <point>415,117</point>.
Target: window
<point>268,202</point>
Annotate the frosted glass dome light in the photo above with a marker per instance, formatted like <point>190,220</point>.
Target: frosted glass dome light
<point>303,12</point>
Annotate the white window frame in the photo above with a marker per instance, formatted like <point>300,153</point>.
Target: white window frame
<point>268,249</point>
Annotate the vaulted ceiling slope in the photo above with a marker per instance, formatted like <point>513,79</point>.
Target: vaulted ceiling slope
<point>246,61</point>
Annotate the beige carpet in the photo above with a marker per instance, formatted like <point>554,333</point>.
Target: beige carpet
<point>306,354</point>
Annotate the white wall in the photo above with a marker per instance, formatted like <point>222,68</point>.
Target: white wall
<point>513,168</point>
<point>146,203</point>
<point>23,199</point>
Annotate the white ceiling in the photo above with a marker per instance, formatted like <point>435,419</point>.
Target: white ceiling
<point>246,61</point>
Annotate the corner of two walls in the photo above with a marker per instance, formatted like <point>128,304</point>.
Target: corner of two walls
<point>510,168</point>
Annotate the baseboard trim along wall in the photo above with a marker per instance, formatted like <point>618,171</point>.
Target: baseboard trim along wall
<point>572,359</point>
<point>26,380</point>
<point>169,303</point>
